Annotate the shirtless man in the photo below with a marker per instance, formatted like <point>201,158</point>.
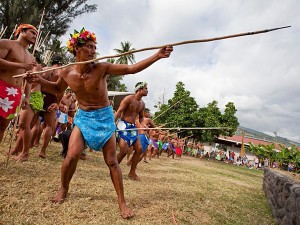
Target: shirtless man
<point>88,81</point>
<point>153,146</point>
<point>179,147</point>
<point>50,106</point>
<point>14,59</point>
<point>144,133</point>
<point>173,146</point>
<point>162,138</point>
<point>28,118</point>
<point>131,107</point>
<point>63,108</point>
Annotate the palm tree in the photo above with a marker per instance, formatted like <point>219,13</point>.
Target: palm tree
<point>114,82</point>
<point>125,59</point>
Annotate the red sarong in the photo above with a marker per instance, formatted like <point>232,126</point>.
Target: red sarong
<point>178,151</point>
<point>10,98</point>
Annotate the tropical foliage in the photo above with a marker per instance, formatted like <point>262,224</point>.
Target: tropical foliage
<point>183,111</point>
<point>283,156</point>
<point>125,59</point>
<point>114,82</point>
<point>59,14</point>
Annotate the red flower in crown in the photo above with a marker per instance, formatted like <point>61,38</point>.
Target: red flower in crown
<point>80,37</point>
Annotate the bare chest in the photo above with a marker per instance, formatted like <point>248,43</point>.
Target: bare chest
<point>135,106</point>
<point>19,55</point>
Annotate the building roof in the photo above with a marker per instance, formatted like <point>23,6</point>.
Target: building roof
<point>238,140</point>
<point>116,97</point>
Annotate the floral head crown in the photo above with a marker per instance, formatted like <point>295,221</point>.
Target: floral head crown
<point>80,38</point>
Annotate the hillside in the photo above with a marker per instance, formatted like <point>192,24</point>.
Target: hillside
<point>260,135</point>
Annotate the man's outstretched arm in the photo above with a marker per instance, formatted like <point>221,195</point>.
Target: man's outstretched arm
<point>123,69</point>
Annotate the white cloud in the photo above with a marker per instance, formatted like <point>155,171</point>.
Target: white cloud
<point>258,73</point>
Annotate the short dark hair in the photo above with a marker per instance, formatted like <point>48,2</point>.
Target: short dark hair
<point>56,59</point>
<point>146,110</point>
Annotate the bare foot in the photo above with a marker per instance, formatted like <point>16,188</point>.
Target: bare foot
<point>11,153</point>
<point>83,157</point>
<point>60,196</point>
<point>22,157</point>
<point>133,176</point>
<point>34,145</point>
<point>42,155</point>
<point>126,212</point>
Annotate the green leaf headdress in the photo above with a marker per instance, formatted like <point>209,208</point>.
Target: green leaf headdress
<point>139,86</point>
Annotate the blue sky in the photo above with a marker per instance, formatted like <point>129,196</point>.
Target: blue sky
<point>260,73</point>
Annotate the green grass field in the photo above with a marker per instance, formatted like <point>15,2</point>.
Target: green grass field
<point>188,191</point>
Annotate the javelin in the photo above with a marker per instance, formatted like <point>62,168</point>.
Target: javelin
<point>179,128</point>
<point>159,47</point>
<point>168,109</point>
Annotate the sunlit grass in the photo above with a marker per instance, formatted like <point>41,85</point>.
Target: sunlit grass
<point>194,191</point>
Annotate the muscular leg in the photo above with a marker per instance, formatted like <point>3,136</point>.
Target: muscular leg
<point>3,125</point>
<point>39,134</point>
<point>155,152</point>
<point>24,124</point>
<point>130,150</point>
<point>109,153</point>
<point>27,121</point>
<point>150,151</point>
<point>135,160</point>
<point>49,118</point>
<point>123,150</point>
<point>143,155</point>
<point>18,146</point>
<point>34,132</point>
<point>76,145</point>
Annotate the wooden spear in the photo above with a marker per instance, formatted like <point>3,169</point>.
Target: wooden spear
<point>158,47</point>
<point>2,32</point>
<point>167,109</point>
<point>39,33</point>
<point>179,128</point>
<point>43,41</point>
<point>12,34</point>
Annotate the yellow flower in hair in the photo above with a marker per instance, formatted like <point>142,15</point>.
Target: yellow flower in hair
<point>80,38</point>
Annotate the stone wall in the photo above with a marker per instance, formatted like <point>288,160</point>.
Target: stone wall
<point>283,195</point>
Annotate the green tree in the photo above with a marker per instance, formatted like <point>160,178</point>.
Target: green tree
<point>56,47</point>
<point>229,120</point>
<point>114,82</point>
<point>58,14</point>
<point>180,111</point>
<point>212,117</point>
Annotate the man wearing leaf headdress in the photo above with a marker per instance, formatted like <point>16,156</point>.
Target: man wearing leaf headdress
<point>131,106</point>
<point>94,121</point>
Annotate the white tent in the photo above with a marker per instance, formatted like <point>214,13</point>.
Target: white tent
<point>115,97</point>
